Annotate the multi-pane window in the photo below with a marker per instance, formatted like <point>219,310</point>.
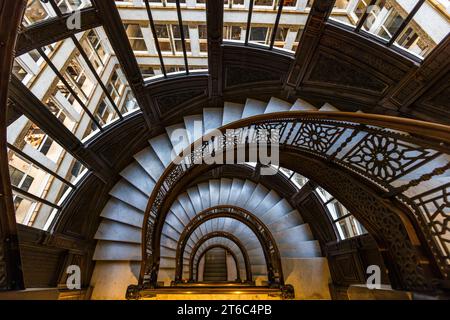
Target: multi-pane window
<point>298,36</point>
<point>69,83</point>
<point>346,225</point>
<point>78,78</point>
<point>231,32</point>
<point>37,11</point>
<point>116,86</point>
<point>280,36</point>
<point>231,3</point>
<point>169,37</point>
<point>67,6</point>
<point>135,37</point>
<point>37,192</point>
<point>259,34</point>
<point>94,49</point>
<point>147,71</point>
<point>203,38</point>
<point>265,2</point>
<point>176,31</point>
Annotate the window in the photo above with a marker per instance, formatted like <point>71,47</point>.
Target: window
<point>116,86</point>
<point>264,2</point>
<point>280,37</point>
<point>36,138</point>
<point>259,34</point>
<point>67,6</point>
<point>130,102</point>
<point>37,11</point>
<point>232,32</point>
<point>177,38</point>
<point>147,71</point>
<point>297,39</point>
<point>93,47</point>
<point>298,180</point>
<point>346,225</point>
<point>78,79</point>
<point>162,32</point>
<point>231,3</point>
<point>203,38</point>
<point>20,179</point>
<point>135,37</point>
<point>35,186</point>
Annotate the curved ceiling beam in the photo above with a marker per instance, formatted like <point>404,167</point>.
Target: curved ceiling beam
<point>202,254</point>
<point>265,238</point>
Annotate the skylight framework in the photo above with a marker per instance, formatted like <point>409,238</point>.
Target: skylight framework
<point>38,11</point>
<point>170,39</point>
<point>416,26</point>
<point>42,174</point>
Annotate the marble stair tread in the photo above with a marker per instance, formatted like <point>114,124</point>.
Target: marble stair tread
<point>116,231</point>
<point>214,192</point>
<point>232,112</point>
<point>302,105</point>
<point>179,137</point>
<point>137,176</point>
<point>117,251</point>
<point>328,108</point>
<point>212,119</point>
<point>196,201</point>
<point>225,188</point>
<point>163,148</point>
<point>148,160</point>
<point>203,190</point>
<point>120,211</point>
<point>293,235</point>
<point>253,107</point>
<point>129,194</point>
<point>194,127</point>
<point>287,221</point>
<point>277,105</point>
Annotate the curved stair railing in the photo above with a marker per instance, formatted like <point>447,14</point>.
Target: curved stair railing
<point>397,155</point>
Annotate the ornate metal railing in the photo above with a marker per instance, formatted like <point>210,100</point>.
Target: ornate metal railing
<point>405,159</point>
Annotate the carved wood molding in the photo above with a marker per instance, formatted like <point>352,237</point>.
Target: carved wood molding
<point>411,93</point>
<point>320,11</point>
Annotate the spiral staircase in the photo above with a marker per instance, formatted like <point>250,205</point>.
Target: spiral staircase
<point>119,234</point>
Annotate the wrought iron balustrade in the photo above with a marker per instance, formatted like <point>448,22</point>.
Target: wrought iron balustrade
<point>404,159</point>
